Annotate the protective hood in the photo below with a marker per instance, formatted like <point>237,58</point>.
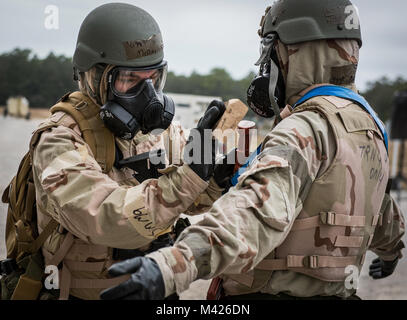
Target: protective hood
<point>317,62</point>
<point>94,83</point>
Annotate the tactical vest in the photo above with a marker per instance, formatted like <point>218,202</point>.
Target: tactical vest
<point>337,222</point>
<point>101,141</point>
<point>86,114</point>
<point>84,265</point>
<point>24,266</point>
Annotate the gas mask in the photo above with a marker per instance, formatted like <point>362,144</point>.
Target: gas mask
<point>136,102</point>
<point>266,93</point>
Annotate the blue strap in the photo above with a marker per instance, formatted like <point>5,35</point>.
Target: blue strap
<point>348,94</point>
<point>243,168</point>
<point>340,92</point>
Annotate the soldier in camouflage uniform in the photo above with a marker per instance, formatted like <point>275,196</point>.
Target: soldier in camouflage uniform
<point>313,201</point>
<point>105,213</point>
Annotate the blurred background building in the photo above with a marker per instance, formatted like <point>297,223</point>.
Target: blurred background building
<point>17,107</point>
<point>189,108</point>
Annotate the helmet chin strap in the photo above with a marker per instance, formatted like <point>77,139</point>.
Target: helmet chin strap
<point>272,88</point>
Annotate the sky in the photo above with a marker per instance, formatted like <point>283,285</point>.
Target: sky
<point>201,35</point>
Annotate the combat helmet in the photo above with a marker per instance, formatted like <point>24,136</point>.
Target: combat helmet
<point>306,20</point>
<point>118,34</point>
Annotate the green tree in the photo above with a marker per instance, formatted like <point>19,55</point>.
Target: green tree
<point>44,81</point>
<point>41,81</point>
<point>380,95</point>
<point>218,82</point>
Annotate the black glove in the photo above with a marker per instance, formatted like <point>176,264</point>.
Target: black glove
<point>146,282</point>
<point>181,225</point>
<point>223,171</point>
<point>212,115</point>
<point>379,268</point>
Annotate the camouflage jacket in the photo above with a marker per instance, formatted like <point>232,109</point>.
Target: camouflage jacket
<point>256,217</point>
<point>113,210</point>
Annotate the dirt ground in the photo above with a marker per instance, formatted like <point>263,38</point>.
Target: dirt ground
<point>35,113</point>
<point>14,138</point>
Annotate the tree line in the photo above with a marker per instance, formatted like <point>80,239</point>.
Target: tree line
<point>44,81</point>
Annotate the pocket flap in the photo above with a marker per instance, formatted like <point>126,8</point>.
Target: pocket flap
<point>357,120</point>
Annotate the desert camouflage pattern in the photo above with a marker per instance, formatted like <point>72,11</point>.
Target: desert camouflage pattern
<point>105,211</point>
<point>317,62</point>
<point>311,203</point>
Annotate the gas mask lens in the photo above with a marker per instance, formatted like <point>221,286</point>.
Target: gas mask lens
<point>128,82</point>
<point>136,101</point>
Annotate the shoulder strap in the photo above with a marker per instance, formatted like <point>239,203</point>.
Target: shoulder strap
<point>86,114</point>
<point>345,93</point>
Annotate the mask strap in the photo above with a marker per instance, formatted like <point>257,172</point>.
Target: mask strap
<point>272,88</point>
<point>266,49</point>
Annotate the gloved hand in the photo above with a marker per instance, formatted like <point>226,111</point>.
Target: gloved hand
<point>181,225</point>
<point>199,144</point>
<point>223,171</point>
<point>146,282</point>
<point>379,268</point>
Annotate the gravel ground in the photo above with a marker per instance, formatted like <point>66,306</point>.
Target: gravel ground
<point>14,138</point>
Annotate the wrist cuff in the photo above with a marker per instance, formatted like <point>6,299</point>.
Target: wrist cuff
<point>166,271</point>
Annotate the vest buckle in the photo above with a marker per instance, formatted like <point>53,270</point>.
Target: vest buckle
<point>328,218</point>
<point>311,262</point>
